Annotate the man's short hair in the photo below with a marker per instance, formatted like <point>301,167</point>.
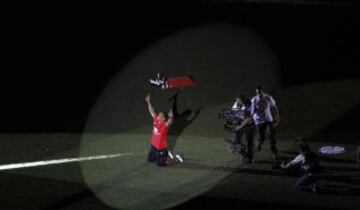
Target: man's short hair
<point>259,87</point>
<point>304,148</point>
<point>244,99</point>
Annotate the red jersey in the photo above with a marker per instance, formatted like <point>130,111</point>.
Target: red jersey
<point>159,135</point>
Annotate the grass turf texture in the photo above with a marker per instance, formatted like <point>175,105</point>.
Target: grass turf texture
<point>210,176</point>
<point>130,182</point>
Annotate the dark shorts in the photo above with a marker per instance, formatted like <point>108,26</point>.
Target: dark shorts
<point>158,156</point>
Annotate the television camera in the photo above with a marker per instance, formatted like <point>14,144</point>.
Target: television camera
<point>232,117</point>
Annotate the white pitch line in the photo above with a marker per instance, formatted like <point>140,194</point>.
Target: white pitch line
<point>59,161</point>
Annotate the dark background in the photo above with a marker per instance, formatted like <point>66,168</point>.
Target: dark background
<point>57,60</point>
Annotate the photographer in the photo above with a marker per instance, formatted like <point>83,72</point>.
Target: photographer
<point>306,160</point>
<point>245,127</point>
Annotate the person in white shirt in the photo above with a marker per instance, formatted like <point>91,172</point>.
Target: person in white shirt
<point>265,115</point>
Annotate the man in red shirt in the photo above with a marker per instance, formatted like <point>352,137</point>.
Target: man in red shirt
<point>159,149</point>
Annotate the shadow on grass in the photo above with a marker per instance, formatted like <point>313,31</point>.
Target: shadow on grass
<point>181,121</point>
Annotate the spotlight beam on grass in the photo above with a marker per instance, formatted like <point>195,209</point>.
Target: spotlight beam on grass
<point>59,161</point>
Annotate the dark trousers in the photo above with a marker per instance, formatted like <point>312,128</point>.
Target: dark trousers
<point>305,181</point>
<point>249,137</point>
<point>157,156</point>
<point>264,129</point>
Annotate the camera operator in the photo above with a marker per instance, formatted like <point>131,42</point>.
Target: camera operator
<point>245,127</point>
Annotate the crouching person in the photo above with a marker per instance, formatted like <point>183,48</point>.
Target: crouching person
<point>159,153</point>
<point>309,168</point>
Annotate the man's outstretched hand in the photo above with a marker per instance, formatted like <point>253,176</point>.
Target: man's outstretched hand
<point>147,98</point>
<point>171,114</point>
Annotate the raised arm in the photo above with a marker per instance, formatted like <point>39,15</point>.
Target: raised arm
<point>171,118</point>
<point>150,107</point>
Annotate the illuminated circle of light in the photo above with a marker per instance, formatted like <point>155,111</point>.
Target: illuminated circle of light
<point>224,60</point>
